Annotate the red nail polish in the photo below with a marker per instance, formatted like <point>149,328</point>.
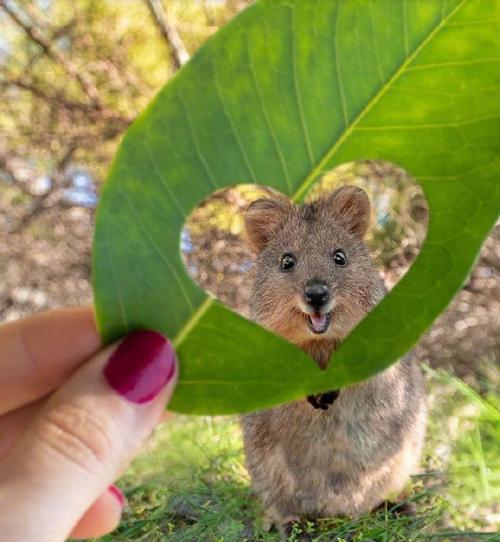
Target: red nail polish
<point>141,366</point>
<point>118,494</point>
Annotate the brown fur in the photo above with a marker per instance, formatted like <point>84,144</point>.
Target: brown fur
<point>309,463</point>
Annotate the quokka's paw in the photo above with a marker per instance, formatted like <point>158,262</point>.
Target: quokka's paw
<point>323,400</point>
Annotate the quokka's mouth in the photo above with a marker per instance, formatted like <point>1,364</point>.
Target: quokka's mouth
<point>319,323</point>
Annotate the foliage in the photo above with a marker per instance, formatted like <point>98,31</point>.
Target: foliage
<point>282,94</point>
<point>73,76</point>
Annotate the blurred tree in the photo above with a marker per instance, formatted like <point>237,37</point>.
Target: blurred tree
<point>74,74</point>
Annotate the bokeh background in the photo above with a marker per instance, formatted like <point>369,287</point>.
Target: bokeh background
<point>73,76</point>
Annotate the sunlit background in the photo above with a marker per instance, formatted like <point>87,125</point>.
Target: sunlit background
<point>73,76</point>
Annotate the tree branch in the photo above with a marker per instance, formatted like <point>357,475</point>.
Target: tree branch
<point>5,167</point>
<point>38,203</point>
<point>31,30</point>
<point>178,52</point>
<point>53,99</point>
<point>59,100</point>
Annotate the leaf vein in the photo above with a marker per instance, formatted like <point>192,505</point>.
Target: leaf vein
<point>157,249</point>
<point>443,9</point>
<point>405,29</point>
<point>308,181</point>
<point>194,139</point>
<point>267,118</point>
<point>453,63</point>
<point>298,95</point>
<point>337,67</point>
<point>123,312</point>
<point>375,44</point>
<point>193,320</point>
<point>457,124</point>
<point>476,22</point>
<point>234,131</point>
<point>162,180</point>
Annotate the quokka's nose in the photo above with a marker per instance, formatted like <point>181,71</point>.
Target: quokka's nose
<point>316,294</point>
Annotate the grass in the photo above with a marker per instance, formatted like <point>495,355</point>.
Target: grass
<point>191,485</point>
<point>464,442</point>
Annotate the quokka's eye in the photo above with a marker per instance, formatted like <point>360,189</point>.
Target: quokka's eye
<point>287,262</point>
<point>339,257</point>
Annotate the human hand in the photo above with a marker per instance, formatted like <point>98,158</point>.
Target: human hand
<point>72,417</point>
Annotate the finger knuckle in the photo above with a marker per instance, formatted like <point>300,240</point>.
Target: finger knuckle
<point>79,436</point>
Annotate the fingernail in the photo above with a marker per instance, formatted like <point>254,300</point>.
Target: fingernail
<point>118,494</point>
<point>141,366</point>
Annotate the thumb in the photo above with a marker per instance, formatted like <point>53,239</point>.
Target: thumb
<point>84,437</point>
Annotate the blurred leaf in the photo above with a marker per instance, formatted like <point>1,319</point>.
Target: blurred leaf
<point>286,91</point>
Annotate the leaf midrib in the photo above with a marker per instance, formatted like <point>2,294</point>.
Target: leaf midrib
<point>317,170</point>
<point>309,180</point>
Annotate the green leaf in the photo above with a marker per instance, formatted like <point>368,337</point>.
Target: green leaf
<point>286,91</point>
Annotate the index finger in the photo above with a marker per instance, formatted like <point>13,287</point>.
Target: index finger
<point>37,354</point>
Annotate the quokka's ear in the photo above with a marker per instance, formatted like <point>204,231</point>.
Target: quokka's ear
<point>262,218</point>
<point>351,206</point>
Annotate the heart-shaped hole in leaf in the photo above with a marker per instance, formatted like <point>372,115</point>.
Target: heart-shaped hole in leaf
<point>287,90</point>
<point>219,257</point>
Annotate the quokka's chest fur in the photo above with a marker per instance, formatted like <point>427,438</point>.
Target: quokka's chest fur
<point>344,460</point>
